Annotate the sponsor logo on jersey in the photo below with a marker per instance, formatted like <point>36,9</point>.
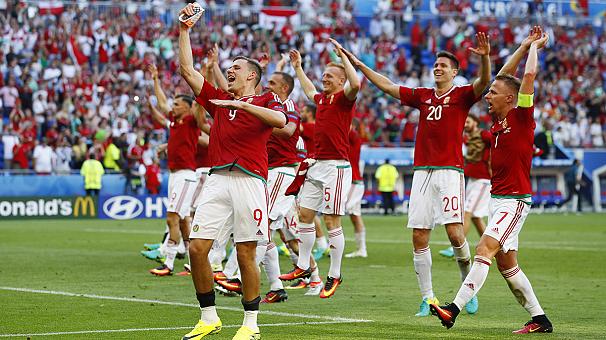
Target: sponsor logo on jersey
<point>495,230</point>
<point>259,233</point>
<point>470,285</point>
<point>428,101</point>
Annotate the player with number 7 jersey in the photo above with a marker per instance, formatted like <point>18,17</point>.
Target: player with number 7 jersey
<point>438,184</point>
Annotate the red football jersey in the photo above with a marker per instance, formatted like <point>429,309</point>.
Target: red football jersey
<point>308,133</point>
<point>182,142</point>
<point>237,138</point>
<point>202,157</point>
<point>511,153</point>
<point>440,133</point>
<point>280,151</point>
<point>333,119</point>
<point>480,169</point>
<point>355,144</point>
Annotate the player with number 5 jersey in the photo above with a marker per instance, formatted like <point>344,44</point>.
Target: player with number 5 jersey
<point>327,181</point>
<point>438,184</point>
<point>235,194</point>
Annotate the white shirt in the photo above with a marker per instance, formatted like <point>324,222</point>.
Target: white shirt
<point>43,156</point>
<point>9,142</point>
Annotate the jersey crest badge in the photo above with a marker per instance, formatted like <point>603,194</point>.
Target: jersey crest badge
<point>446,100</point>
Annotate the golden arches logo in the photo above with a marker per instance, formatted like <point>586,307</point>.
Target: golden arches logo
<point>84,206</point>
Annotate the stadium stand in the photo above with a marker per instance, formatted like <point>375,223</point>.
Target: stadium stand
<point>73,72</point>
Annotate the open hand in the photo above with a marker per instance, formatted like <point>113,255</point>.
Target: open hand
<point>535,33</point>
<point>295,58</point>
<point>542,41</point>
<point>483,47</point>
<point>153,70</point>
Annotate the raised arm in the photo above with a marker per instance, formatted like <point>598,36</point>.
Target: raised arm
<point>306,84</point>
<point>513,62</point>
<point>162,101</point>
<point>530,72</point>
<point>200,116</point>
<point>268,116</point>
<point>215,69</point>
<point>483,50</point>
<point>282,63</point>
<point>157,115</point>
<point>186,59</point>
<point>380,81</point>
<point>353,85</point>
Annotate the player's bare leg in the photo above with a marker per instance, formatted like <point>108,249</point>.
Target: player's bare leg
<point>250,283</point>
<point>460,247</point>
<point>480,225</point>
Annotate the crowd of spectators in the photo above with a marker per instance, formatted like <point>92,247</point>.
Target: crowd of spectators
<point>73,78</point>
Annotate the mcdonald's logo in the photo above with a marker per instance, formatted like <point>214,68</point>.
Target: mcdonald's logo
<point>84,206</point>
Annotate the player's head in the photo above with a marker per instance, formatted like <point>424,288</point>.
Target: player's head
<point>308,113</point>
<point>281,83</point>
<point>333,78</point>
<point>244,73</point>
<point>182,105</point>
<point>502,95</point>
<point>471,123</point>
<point>445,68</point>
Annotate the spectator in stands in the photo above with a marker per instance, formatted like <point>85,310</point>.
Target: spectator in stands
<point>92,171</point>
<point>386,176</point>
<point>112,159</point>
<point>63,154</point>
<point>152,177</point>
<point>10,95</point>
<point>574,180</point>
<point>9,140</point>
<point>44,158</point>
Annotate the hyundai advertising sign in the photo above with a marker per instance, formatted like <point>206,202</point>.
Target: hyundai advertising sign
<point>126,207</point>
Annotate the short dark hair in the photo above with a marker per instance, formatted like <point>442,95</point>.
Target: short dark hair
<point>453,60</point>
<point>510,81</point>
<point>254,65</point>
<point>288,79</point>
<point>311,108</point>
<point>186,98</point>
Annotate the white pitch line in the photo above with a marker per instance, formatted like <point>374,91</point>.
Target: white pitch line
<point>121,231</point>
<point>126,330</point>
<point>528,244</point>
<point>171,303</point>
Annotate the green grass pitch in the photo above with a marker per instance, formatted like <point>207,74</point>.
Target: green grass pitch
<point>563,256</point>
